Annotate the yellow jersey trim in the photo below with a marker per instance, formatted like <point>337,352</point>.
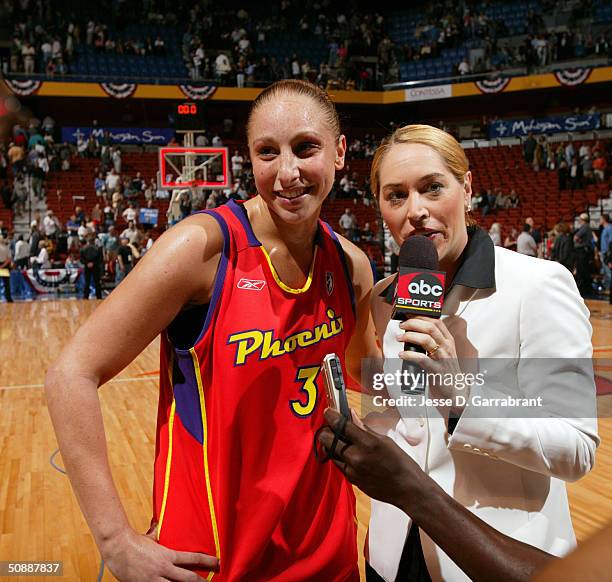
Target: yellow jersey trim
<point>169,457</point>
<point>213,518</point>
<point>286,287</point>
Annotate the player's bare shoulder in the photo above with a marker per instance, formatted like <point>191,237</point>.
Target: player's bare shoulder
<point>189,252</point>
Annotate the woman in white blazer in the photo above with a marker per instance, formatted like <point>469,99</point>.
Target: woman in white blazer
<point>508,471</point>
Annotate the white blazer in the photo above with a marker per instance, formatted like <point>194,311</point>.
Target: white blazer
<point>509,472</point>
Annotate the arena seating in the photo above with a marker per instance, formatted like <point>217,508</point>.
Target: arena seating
<point>89,62</point>
<point>493,167</point>
<point>505,168</point>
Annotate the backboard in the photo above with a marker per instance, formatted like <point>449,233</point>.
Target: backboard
<point>195,167</point>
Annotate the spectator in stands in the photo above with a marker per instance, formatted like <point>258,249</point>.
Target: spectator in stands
<point>149,191</point>
<point>112,181</point>
<point>28,54</point>
<point>81,146</point>
<point>583,251</point>
<point>185,204</point>
<point>83,231</point>
<point>3,230</point>
<point>96,216</point>
<point>130,214</point>
<point>599,167</point>
<point>237,162</point>
<point>525,243</point>
<point>575,174</point>
<point>529,146</point>
<point>539,155</point>
<point>51,225</point>
<point>222,68</point>
<point>159,46</point>
<point>584,151</point>
<point>16,157</point>
<point>100,185</point>
<point>116,159</point>
<point>367,234</point>
<point>138,184</point>
<point>563,247</point>
<point>348,224</point>
<point>72,226</point>
<point>132,233</point>
<point>587,169</point>
<point>6,262</point>
<point>535,232</point>
<point>495,234</point>
<point>570,152</point>
<point>463,68</point>
<point>41,260</point>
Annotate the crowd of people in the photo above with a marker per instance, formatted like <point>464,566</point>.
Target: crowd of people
<point>47,41</point>
<point>576,166</point>
<point>30,155</point>
<point>585,252</point>
<point>235,54</point>
<point>229,46</point>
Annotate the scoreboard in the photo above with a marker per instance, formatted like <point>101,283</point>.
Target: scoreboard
<point>189,116</point>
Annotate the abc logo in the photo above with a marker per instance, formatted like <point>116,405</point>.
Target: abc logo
<point>421,287</point>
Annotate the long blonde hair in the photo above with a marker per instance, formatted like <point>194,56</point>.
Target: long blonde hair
<point>447,147</point>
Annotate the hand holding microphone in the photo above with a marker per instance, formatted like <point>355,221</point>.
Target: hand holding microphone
<point>419,297</point>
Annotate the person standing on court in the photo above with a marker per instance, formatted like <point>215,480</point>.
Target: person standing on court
<point>6,262</point>
<point>583,250</point>
<point>605,248</point>
<point>248,299</point>
<point>93,262</point>
<point>501,310</point>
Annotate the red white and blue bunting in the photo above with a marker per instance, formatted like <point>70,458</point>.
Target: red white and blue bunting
<point>572,77</point>
<point>119,90</point>
<point>23,88</point>
<point>198,92</point>
<point>50,280</point>
<point>492,85</point>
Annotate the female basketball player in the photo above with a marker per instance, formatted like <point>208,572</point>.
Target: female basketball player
<point>248,299</point>
<point>518,318</point>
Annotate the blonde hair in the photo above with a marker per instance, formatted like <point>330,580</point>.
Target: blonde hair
<point>298,87</point>
<point>447,147</point>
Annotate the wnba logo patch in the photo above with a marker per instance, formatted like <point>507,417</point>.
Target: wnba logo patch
<point>329,282</point>
<point>251,284</point>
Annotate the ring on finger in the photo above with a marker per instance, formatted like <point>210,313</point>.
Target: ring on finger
<point>433,350</point>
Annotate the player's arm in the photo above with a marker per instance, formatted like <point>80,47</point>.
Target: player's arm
<point>363,343</point>
<point>178,270</point>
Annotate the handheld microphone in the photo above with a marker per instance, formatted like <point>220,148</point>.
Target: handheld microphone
<point>419,291</point>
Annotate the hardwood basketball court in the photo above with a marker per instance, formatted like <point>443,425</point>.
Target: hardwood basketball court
<point>39,516</point>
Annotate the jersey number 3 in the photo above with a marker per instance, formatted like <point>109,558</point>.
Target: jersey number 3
<point>307,377</point>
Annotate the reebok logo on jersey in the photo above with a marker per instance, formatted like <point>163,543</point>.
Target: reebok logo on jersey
<point>251,284</point>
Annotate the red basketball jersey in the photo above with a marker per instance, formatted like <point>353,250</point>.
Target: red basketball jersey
<point>235,472</point>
